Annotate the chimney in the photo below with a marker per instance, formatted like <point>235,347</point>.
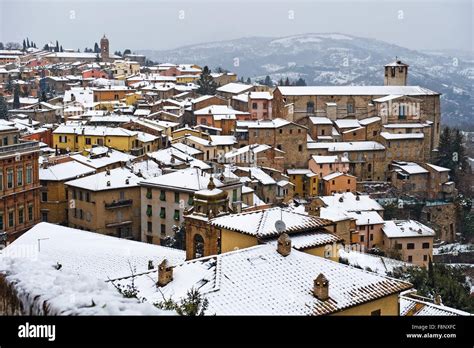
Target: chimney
<point>321,287</point>
<point>150,264</point>
<point>108,183</point>
<point>165,273</point>
<point>437,300</point>
<point>284,245</point>
<point>357,197</point>
<point>341,199</point>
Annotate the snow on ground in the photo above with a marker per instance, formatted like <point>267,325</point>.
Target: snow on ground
<point>45,290</point>
<point>377,264</point>
<point>453,248</point>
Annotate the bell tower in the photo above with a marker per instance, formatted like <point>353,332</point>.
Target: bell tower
<point>201,238</point>
<point>396,73</point>
<point>104,49</point>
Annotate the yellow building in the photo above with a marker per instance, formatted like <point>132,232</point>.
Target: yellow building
<point>111,93</point>
<point>77,138</point>
<point>305,182</point>
<point>54,199</point>
<point>106,203</point>
<point>121,69</point>
<point>183,79</point>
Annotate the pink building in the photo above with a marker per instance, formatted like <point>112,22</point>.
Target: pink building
<point>260,105</point>
<point>94,73</point>
<point>325,165</point>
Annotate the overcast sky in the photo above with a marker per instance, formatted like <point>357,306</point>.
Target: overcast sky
<point>147,24</point>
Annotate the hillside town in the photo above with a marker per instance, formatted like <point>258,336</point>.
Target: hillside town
<point>132,185</point>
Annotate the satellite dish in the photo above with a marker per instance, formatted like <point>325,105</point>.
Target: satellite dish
<point>280,226</point>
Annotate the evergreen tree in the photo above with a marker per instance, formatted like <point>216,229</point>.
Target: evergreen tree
<point>3,108</point>
<point>287,82</point>
<point>268,81</point>
<point>241,79</point>
<point>61,49</point>
<point>16,97</point>
<point>1,46</point>
<point>127,51</point>
<point>57,46</point>
<point>24,45</point>
<point>249,82</point>
<point>300,82</point>
<point>280,82</point>
<point>206,83</point>
<point>28,43</point>
<point>96,48</point>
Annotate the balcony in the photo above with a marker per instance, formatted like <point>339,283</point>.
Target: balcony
<point>118,223</point>
<point>26,146</point>
<point>119,204</point>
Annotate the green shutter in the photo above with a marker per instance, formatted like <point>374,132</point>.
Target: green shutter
<point>176,215</point>
<point>162,196</point>
<point>148,211</point>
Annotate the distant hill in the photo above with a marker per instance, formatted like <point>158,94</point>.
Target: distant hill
<point>338,59</point>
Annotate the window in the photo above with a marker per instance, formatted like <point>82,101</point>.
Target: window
<point>348,181</point>
<point>162,213</point>
<point>5,141</point>
<point>323,131</point>
<point>425,257</point>
<point>428,216</point>
<point>2,227</point>
<point>334,182</point>
<point>63,139</point>
<point>88,197</point>
<point>426,245</point>
<point>148,210</point>
<point>88,141</point>
<point>190,200</point>
<point>377,312</point>
<point>362,238</point>
<point>11,218</point>
<point>44,196</point>
<point>176,197</point>
<point>369,167</point>
<point>1,181</point>
<point>30,212</point>
<point>149,239</point>
<point>149,193</point>
<point>29,174</point>
<point>279,146</point>
<point>371,236</point>
<point>81,214</point>
<point>176,215</point>
<point>74,194</point>
<point>350,108</point>
<point>300,148</point>
<point>254,105</point>
<point>410,258</point>
<point>21,215</point>
<point>162,195</point>
<point>291,131</point>
<point>149,227</point>
<point>234,195</point>
<point>411,246</point>
<point>44,216</point>
<point>280,131</point>
<point>122,195</point>
<point>163,230</point>
<point>310,107</point>
<point>80,195</point>
<point>374,133</point>
<point>19,176</point>
<point>10,178</point>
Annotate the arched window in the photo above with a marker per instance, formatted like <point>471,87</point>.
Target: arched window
<point>198,246</point>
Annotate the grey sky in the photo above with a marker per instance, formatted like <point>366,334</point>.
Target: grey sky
<point>146,24</point>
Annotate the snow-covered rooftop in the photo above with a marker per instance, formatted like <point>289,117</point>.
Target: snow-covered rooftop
<point>261,223</point>
<point>401,136</point>
<point>258,281</point>
<point>347,201</point>
<point>406,228</point>
<point>347,146</point>
<point>418,307</point>
<point>355,90</point>
<point>114,179</point>
<point>64,171</point>
<point>234,88</point>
